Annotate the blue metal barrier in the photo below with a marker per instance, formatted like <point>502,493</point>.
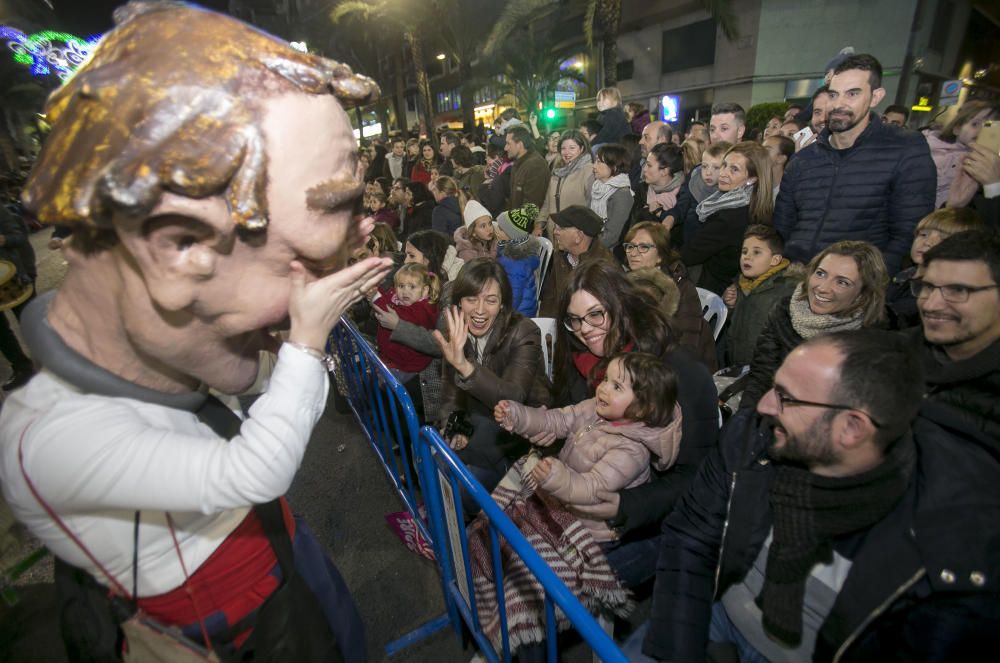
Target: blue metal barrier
<point>386,413</point>
<point>444,475</point>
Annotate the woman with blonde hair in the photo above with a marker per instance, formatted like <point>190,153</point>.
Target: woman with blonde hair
<point>447,215</point>
<point>843,288</point>
<point>744,197</point>
<point>611,115</point>
<point>692,148</point>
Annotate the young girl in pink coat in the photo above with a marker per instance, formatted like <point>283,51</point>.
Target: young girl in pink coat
<point>609,438</point>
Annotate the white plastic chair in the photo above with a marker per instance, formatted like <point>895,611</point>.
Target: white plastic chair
<point>544,257</point>
<point>548,329</point>
<point>714,310</point>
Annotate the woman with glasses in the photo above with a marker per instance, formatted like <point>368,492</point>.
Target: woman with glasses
<point>552,149</point>
<point>572,176</point>
<point>491,353</point>
<point>843,288</point>
<point>601,313</point>
<point>647,244</point>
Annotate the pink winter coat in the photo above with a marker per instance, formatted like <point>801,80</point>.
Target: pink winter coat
<point>598,454</point>
<point>948,161</point>
<point>468,250</point>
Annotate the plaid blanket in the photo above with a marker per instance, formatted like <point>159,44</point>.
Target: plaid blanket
<point>561,540</point>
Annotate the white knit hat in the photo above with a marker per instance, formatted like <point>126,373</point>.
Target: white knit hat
<point>474,210</point>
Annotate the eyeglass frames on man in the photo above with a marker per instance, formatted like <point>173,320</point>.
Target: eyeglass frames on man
<point>955,293</point>
<point>784,399</point>
<point>575,323</point>
<point>641,248</point>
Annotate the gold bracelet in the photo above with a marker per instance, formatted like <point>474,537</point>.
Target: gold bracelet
<point>324,358</point>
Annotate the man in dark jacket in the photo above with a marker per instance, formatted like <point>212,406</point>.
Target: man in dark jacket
<point>575,236</point>
<point>529,175</point>
<point>861,179</point>
<point>959,339</point>
<point>830,529</point>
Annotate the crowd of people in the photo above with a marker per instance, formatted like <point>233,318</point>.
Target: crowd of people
<point>820,226</point>
<point>847,511</point>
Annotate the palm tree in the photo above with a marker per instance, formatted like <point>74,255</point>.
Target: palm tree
<point>606,14</point>
<point>396,17</point>
<point>531,70</point>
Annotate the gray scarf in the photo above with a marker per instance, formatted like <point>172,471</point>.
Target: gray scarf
<point>808,324</point>
<point>573,166</point>
<point>721,200</point>
<point>601,192</point>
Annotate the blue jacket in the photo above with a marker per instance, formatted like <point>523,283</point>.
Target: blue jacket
<point>875,191</point>
<point>911,593</point>
<point>520,262</point>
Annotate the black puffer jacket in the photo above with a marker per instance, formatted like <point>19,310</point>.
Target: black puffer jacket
<point>775,342</point>
<point>924,580</point>
<point>875,191</point>
<point>970,387</point>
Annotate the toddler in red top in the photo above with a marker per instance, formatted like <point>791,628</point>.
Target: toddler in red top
<point>413,297</point>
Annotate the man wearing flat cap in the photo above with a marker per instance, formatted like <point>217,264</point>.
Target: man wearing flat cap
<point>574,232</point>
<point>209,174</point>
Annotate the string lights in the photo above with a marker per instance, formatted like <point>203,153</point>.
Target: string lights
<point>49,52</point>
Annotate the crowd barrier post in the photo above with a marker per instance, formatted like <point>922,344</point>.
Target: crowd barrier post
<point>387,415</point>
<point>444,476</point>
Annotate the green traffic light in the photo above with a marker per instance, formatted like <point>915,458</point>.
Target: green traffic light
<point>550,113</point>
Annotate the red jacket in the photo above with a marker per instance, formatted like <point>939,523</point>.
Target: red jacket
<point>396,355</point>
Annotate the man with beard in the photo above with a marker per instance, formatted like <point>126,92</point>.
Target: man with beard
<point>834,523</point>
<point>862,179</point>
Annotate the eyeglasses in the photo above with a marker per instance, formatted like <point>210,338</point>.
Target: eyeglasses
<point>641,248</point>
<point>784,399</point>
<point>955,293</point>
<point>594,319</point>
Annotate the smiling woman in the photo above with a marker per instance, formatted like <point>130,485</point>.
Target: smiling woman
<point>844,288</point>
<point>492,353</point>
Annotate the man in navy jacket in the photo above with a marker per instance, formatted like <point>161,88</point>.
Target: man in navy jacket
<point>861,179</point>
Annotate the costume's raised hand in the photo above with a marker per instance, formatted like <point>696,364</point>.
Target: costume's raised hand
<point>458,442</point>
<point>316,304</point>
<point>453,348</point>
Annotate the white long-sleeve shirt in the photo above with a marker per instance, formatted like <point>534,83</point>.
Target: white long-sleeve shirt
<point>97,459</point>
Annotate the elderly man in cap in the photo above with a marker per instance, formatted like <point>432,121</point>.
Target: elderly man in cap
<point>210,175</point>
<point>575,232</point>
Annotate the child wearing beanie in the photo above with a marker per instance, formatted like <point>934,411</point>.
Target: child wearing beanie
<point>476,239</point>
<point>518,253</point>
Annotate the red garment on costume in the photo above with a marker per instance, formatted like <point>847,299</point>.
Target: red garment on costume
<point>235,580</point>
<point>396,355</point>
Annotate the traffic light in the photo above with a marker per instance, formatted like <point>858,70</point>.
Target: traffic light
<point>550,113</point>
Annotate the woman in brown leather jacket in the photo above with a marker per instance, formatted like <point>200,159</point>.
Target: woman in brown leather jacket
<point>491,353</point>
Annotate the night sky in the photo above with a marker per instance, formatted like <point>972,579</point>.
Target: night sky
<point>88,17</point>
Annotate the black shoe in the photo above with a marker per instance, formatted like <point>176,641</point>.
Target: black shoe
<point>19,379</point>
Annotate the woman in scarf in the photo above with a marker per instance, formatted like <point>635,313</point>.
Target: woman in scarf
<point>844,288</point>
<point>611,193</point>
<point>744,197</point>
<point>571,181</point>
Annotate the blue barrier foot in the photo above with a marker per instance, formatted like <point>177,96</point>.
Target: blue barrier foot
<point>416,635</point>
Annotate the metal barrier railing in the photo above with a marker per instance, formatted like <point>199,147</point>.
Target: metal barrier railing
<point>422,467</point>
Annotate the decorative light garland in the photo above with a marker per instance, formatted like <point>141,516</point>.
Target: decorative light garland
<point>42,53</point>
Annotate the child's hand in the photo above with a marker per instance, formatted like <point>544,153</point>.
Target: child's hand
<point>729,296</point>
<point>542,471</point>
<point>458,442</point>
<point>315,305</point>
<point>501,412</point>
<point>385,317</point>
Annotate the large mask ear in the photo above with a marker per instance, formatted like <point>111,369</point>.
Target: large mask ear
<point>177,248</point>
